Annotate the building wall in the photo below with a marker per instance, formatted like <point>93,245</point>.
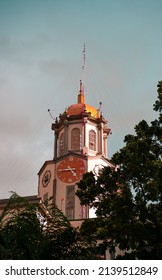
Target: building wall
<point>46,192</point>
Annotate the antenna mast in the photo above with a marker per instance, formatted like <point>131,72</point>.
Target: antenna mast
<point>83,63</point>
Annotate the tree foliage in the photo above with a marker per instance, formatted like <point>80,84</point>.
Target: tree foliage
<point>39,232</point>
<point>128,201</point>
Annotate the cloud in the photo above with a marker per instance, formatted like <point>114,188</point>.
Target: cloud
<point>53,67</point>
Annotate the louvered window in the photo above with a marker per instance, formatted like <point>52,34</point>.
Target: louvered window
<point>75,139</point>
<point>45,198</point>
<point>61,144</point>
<point>92,140</point>
<point>70,202</point>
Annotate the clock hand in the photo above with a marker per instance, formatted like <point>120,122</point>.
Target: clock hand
<point>66,169</point>
<point>71,169</point>
<point>63,169</point>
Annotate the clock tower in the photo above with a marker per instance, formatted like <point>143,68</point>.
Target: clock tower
<point>80,145</point>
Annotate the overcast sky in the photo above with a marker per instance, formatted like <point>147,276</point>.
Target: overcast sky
<point>41,43</point>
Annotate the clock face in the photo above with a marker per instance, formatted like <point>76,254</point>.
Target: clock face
<point>46,178</point>
<point>70,170</point>
<point>97,169</point>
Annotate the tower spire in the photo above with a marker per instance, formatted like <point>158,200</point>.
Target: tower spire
<point>81,93</point>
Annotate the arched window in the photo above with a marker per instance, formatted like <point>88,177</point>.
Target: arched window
<point>75,139</point>
<point>92,140</point>
<point>61,144</point>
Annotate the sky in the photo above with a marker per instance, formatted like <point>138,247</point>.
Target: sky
<point>41,44</point>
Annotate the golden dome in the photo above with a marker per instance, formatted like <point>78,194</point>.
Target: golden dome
<point>94,112</point>
<point>81,107</point>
